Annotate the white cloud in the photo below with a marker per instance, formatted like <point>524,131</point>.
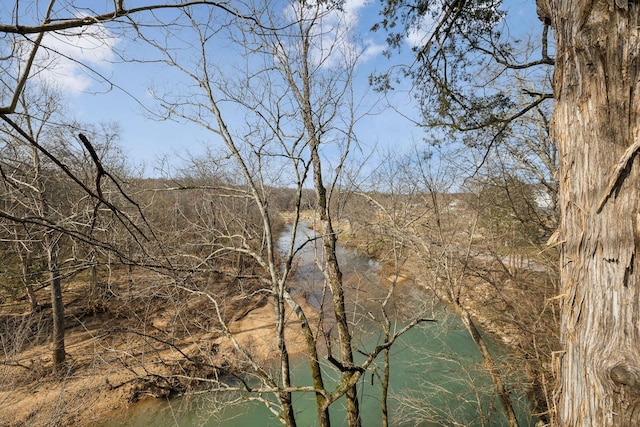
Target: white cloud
<point>352,10</point>
<point>334,42</point>
<point>66,60</point>
<point>422,30</point>
<point>371,51</point>
<point>420,33</point>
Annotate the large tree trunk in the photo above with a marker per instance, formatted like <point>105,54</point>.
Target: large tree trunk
<point>333,274</point>
<point>596,127</point>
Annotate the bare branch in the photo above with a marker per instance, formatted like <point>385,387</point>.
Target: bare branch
<point>119,12</point>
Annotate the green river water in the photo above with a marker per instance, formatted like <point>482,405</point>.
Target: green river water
<point>436,373</point>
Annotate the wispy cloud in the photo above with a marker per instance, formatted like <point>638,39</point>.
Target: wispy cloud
<point>420,33</point>
<point>424,26</point>
<point>335,40</point>
<point>67,60</point>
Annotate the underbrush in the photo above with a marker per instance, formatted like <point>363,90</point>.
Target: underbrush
<point>129,342</point>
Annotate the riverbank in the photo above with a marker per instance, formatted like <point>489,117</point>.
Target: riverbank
<point>114,361</point>
<point>118,353</point>
<point>509,292</point>
<point>116,358</point>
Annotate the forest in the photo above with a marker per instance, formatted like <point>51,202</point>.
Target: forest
<point>165,316</point>
<point>300,235</point>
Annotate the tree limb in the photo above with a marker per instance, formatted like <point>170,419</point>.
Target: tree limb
<point>118,12</point>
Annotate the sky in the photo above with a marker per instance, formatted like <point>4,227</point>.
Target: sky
<point>147,141</point>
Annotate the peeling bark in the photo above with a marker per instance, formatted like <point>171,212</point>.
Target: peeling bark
<point>597,130</point>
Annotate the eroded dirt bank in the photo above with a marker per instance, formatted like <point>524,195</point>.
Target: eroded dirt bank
<point>134,346</point>
<point>123,351</point>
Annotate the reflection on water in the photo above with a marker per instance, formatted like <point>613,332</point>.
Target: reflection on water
<point>436,374</point>
<point>360,274</point>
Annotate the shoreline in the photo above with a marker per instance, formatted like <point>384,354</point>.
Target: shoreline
<point>92,390</point>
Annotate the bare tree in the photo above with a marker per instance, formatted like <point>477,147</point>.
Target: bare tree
<point>51,217</point>
<point>594,85</point>
<point>292,86</point>
<point>454,242</point>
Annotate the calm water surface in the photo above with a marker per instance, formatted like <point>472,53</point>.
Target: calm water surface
<point>436,366</point>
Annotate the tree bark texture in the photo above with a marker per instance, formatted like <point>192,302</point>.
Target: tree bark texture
<point>596,126</point>
<point>333,273</point>
<point>57,307</point>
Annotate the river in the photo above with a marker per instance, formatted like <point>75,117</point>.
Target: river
<point>436,374</point>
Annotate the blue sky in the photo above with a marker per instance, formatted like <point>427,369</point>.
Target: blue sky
<point>146,141</point>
